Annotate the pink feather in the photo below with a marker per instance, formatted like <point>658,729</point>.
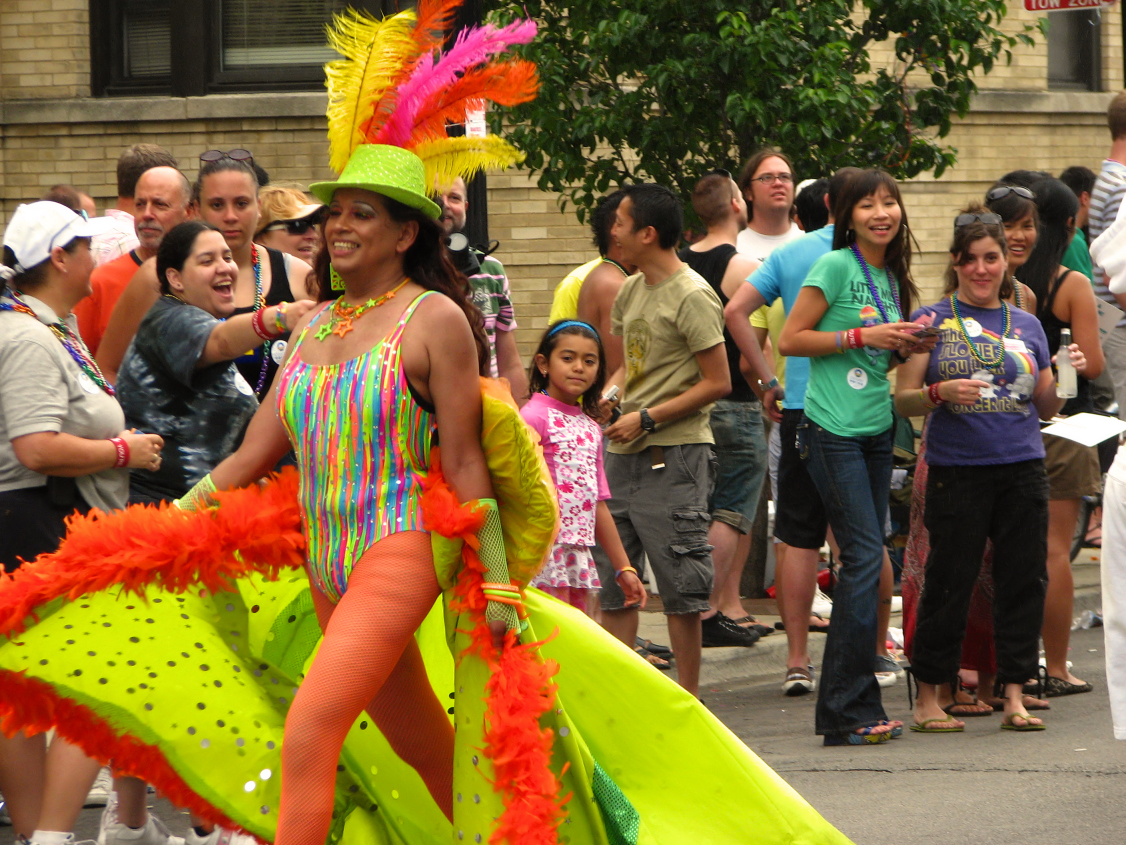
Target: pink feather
<point>472,47</point>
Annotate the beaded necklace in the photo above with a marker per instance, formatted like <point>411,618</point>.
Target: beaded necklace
<point>1018,295</point>
<point>872,285</point>
<point>259,304</point>
<point>70,341</point>
<point>998,350</point>
<point>342,315</point>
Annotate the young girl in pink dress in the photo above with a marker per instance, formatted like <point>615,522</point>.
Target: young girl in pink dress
<point>566,380</point>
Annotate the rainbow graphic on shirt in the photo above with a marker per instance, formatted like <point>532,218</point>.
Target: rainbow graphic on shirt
<point>987,343</point>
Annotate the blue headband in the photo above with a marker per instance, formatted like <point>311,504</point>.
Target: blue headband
<point>570,324</point>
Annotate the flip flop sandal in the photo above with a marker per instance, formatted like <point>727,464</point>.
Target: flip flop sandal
<point>896,728</point>
<point>1007,723</point>
<point>653,647</point>
<point>999,705</point>
<point>653,659</point>
<point>950,709</point>
<point>921,727</point>
<point>865,737</point>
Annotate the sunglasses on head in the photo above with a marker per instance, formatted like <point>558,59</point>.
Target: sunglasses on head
<point>1004,190</point>
<point>295,227</point>
<point>719,171</point>
<point>986,217</point>
<point>233,155</point>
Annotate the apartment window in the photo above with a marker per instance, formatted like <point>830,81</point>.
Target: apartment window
<point>1074,62</point>
<point>219,45</point>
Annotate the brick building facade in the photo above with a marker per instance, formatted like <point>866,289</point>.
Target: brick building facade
<point>52,130</point>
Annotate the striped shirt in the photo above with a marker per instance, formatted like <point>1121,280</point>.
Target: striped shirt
<point>492,295</point>
<point>1106,198</point>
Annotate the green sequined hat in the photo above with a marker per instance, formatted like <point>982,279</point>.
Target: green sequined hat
<point>387,170</point>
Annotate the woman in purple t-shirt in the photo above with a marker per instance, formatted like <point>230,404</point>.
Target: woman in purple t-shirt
<point>986,383</point>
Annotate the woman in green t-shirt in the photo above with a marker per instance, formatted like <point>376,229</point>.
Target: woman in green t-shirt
<point>848,320</point>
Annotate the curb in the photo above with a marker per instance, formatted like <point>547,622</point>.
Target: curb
<point>766,660</point>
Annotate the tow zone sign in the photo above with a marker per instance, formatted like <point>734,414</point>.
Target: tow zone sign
<point>1064,5</point>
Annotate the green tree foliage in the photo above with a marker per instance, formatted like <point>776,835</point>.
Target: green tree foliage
<point>666,90</point>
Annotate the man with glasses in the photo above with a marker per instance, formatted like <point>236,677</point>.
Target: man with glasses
<point>767,183</point>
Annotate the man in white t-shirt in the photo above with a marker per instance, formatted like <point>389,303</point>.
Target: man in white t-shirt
<point>767,183</point>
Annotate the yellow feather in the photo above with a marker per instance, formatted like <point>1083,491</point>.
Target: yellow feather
<point>375,54</point>
<point>448,158</point>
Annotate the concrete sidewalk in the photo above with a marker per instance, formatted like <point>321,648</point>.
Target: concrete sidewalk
<point>766,660</point>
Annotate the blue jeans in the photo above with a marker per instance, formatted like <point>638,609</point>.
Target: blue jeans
<point>853,475</point>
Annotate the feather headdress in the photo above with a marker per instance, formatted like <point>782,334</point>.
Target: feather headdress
<point>394,86</point>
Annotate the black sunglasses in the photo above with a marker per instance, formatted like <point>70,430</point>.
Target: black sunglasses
<point>719,171</point>
<point>1004,190</point>
<point>233,155</point>
<point>986,217</point>
<point>295,227</point>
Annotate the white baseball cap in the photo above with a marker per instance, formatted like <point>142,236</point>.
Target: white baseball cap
<point>38,227</point>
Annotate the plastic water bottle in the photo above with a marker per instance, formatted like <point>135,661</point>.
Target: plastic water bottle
<point>1066,387</point>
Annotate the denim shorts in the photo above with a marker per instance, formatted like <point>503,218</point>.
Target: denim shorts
<point>741,452</point>
<point>661,515</point>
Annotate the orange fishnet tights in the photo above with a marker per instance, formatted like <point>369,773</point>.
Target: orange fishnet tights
<point>369,660</point>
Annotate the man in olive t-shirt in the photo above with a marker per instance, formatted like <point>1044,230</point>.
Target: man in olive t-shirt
<point>668,323</point>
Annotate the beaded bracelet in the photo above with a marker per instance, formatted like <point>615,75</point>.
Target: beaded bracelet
<point>932,391</point>
<point>279,317</point>
<point>122,449</point>
<point>623,571</point>
<point>258,323</point>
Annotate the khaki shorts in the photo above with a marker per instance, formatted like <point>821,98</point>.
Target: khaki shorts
<point>1073,469</point>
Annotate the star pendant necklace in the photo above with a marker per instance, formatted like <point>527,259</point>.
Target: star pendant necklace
<point>343,315</point>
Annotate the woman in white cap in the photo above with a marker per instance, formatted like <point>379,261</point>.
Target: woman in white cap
<point>63,448</point>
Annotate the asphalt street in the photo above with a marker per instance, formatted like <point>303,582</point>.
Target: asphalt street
<point>1062,785</point>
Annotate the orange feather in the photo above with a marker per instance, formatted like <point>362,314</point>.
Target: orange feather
<point>505,83</point>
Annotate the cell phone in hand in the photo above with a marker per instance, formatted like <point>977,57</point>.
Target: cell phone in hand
<point>927,331</point>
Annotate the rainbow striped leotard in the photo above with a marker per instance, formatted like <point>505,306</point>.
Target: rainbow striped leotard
<point>362,444</point>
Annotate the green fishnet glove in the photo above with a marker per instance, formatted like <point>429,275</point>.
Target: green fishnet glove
<point>491,552</point>
<point>199,496</point>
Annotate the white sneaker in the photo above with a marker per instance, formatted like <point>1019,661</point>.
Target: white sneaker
<point>67,840</point>
<point>109,817</point>
<point>219,836</point>
<point>822,604</point>
<point>153,833</point>
<point>886,679</point>
<point>99,792</point>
